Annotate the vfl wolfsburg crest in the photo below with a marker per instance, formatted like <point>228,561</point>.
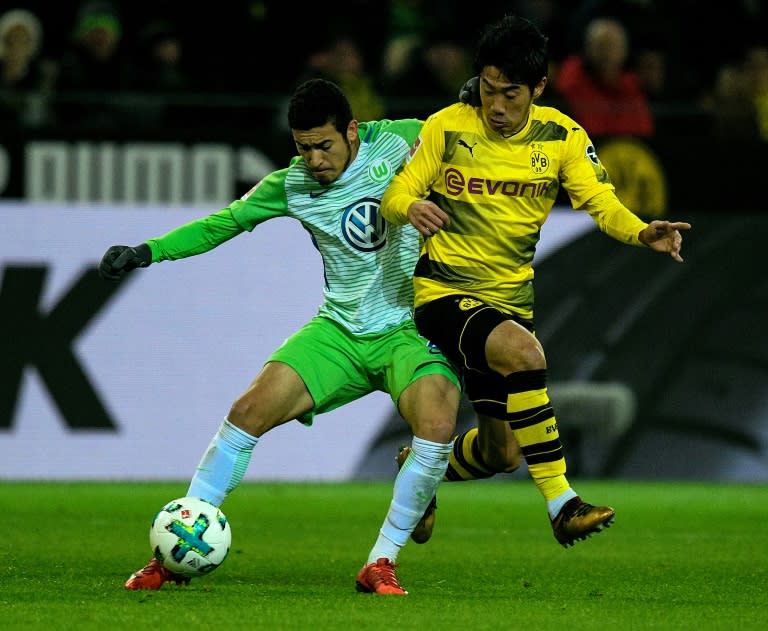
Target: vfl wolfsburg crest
<point>380,170</point>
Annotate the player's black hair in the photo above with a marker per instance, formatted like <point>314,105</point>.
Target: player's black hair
<point>515,46</point>
<point>317,102</point>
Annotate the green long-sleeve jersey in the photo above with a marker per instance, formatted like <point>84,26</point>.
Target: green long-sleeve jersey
<point>367,263</point>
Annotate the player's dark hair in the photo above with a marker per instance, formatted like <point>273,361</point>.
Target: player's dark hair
<point>515,46</point>
<point>317,102</point>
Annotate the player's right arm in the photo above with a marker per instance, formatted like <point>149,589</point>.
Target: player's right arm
<point>405,199</point>
<point>264,201</point>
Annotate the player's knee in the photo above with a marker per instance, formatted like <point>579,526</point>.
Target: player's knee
<point>524,354</point>
<point>437,428</point>
<point>527,356</point>
<point>238,415</point>
<point>244,416</point>
<point>429,406</point>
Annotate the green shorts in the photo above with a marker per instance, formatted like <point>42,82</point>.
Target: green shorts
<point>339,367</point>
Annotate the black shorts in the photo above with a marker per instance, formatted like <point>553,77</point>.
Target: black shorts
<point>459,326</point>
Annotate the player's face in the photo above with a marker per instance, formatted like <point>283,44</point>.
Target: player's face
<point>505,104</point>
<point>326,151</point>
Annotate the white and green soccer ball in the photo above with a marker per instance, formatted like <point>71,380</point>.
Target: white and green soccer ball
<point>190,537</point>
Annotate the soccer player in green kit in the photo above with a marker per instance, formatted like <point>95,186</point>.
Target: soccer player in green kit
<point>478,185</point>
<point>363,337</point>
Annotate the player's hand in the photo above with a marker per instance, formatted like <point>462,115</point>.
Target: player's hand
<point>118,260</point>
<point>470,92</point>
<point>664,236</point>
<point>428,218</point>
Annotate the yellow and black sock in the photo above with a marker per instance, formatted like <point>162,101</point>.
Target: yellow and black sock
<point>531,417</point>
<point>466,462</point>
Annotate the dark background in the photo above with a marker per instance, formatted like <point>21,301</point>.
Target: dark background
<point>684,345</point>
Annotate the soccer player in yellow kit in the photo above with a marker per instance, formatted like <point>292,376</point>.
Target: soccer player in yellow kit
<point>479,183</point>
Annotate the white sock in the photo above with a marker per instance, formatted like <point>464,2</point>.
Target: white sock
<point>554,506</point>
<point>223,465</point>
<point>415,485</point>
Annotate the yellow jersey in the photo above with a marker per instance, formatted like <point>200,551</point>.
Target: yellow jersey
<point>498,192</point>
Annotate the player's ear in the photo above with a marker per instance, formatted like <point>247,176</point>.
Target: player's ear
<point>352,130</point>
<point>538,89</point>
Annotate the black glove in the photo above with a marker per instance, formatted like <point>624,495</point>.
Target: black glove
<point>470,92</point>
<point>121,259</point>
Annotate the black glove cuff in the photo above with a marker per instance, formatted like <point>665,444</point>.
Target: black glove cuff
<point>144,254</point>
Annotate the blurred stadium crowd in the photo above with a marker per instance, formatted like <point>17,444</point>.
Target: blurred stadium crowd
<point>88,63</point>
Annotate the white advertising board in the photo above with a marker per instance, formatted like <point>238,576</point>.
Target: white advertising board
<point>167,353</point>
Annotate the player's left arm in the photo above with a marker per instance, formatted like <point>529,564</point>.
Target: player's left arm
<point>617,221</point>
<point>262,202</point>
<point>195,237</point>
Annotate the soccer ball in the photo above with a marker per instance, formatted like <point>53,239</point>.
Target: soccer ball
<point>190,536</point>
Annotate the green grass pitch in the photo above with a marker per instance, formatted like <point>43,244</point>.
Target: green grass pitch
<point>680,556</point>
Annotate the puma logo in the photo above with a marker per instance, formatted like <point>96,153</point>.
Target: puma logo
<point>467,147</point>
